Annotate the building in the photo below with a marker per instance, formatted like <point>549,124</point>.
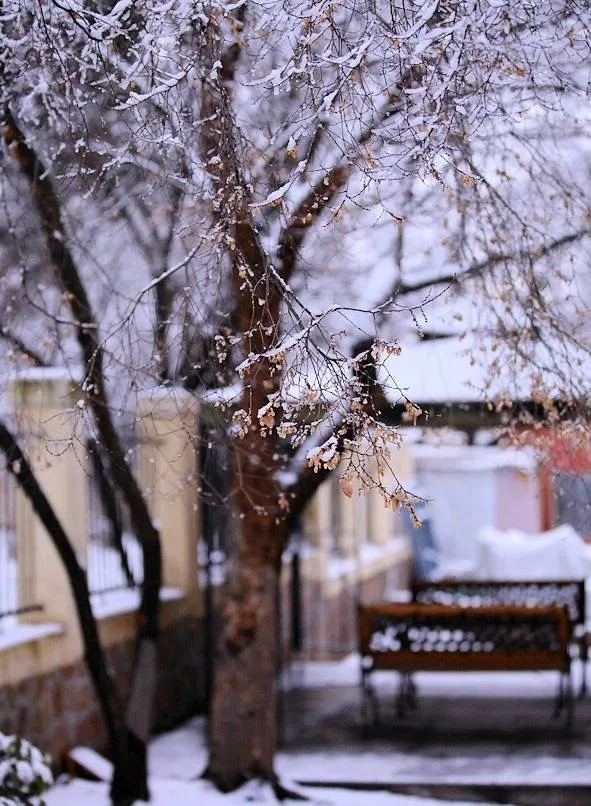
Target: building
<point>346,548</point>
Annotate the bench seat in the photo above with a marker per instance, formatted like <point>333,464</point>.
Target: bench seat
<point>408,638</point>
<point>571,594</point>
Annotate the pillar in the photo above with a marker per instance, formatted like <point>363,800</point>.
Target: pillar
<point>167,429</point>
<point>50,429</point>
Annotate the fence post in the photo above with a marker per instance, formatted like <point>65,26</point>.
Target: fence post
<point>168,468</point>
<point>50,427</point>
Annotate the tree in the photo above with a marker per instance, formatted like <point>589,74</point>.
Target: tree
<point>261,166</point>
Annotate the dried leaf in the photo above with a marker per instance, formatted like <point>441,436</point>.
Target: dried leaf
<point>346,487</point>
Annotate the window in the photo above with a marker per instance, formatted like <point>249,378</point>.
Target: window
<point>572,501</point>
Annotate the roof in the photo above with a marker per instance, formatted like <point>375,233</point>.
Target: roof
<point>471,368</point>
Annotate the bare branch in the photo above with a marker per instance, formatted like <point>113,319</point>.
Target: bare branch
<point>32,355</point>
<point>476,269</point>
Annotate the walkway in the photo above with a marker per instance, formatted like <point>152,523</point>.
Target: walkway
<point>473,736</point>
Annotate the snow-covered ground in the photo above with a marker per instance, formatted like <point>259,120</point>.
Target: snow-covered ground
<point>174,792</point>
<point>178,758</point>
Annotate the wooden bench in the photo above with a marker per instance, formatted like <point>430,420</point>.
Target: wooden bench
<point>476,593</point>
<point>410,638</point>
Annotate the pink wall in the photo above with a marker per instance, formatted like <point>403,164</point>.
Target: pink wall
<point>518,500</point>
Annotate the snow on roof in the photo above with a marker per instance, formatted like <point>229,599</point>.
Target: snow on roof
<point>168,392</point>
<point>437,371</point>
<point>471,457</point>
<point>472,368</point>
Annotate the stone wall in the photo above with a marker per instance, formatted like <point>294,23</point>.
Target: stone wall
<point>59,710</point>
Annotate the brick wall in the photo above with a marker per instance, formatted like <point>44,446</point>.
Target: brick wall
<point>59,710</point>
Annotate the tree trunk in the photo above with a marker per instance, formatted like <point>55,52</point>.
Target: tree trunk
<point>130,779</point>
<point>243,714</point>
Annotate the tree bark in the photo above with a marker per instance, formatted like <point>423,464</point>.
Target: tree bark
<point>243,715</point>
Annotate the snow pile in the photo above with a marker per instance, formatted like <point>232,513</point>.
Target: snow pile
<point>557,554</point>
<point>24,773</point>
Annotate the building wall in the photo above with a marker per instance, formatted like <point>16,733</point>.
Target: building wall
<point>45,690</point>
<point>564,476</point>
<point>471,487</point>
<point>519,497</point>
<point>456,517</point>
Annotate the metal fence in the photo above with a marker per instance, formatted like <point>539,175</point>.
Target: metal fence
<point>16,561</point>
<point>572,501</point>
<point>215,495</point>
<point>114,557</point>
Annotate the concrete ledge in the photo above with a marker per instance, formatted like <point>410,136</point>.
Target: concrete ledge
<point>127,600</point>
<point>29,650</point>
<point>24,633</point>
<point>372,561</point>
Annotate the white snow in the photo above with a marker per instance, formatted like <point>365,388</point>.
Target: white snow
<point>44,374</point>
<point>12,634</point>
<point>91,761</point>
<point>474,457</point>
<point>319,674</point>
<point>178,758</point>
<point>168,393</point>
<point>127,600</point>
<point>182,754</point>
<point>557,554</point>
<point>8,572</point>
<point>440,371</point>
<point>166,791</point>
<point>223,394</point>
<point>400,768</point>
<point>345,672</point>
<point>466,368</point>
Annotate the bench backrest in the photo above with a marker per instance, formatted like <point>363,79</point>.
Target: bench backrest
<point>409,637</point>
<point>476,593</point>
